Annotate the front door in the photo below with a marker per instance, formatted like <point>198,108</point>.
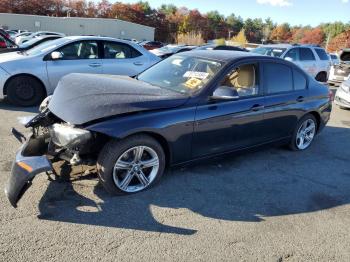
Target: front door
<point>77,57</point>
<point>224,125</point>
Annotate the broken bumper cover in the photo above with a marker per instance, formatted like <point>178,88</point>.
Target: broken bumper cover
<point>24,169</point>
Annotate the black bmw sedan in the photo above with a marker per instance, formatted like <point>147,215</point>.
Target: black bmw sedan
<point>190,106</point>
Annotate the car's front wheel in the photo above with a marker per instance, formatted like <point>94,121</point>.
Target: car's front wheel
<point>130,165</point>
<point>304,133</point>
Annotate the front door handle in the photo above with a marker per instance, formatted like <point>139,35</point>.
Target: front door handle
<point>257,107</point>
<point>95,64</point>
<point>138,63</point>
<point>300,99</point>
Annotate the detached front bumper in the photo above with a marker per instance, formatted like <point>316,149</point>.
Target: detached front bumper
<point>25,167</point>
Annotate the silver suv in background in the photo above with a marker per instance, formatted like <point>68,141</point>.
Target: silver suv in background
<point>311,58</point>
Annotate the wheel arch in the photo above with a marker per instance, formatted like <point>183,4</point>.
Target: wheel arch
<point>158,137</point>
<point>317,117</point>
<point>24,74</point>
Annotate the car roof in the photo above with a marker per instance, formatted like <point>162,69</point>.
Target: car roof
<point>86,37</point>
<point>277,46</point>
<point>222,55</point>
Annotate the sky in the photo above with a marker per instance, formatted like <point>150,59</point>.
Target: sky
<point>295,12</point>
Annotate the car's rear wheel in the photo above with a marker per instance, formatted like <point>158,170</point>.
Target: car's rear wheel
<point>304,133</point>
<point>321,77</point>
<point>130,165</point>
<point>25,91</point>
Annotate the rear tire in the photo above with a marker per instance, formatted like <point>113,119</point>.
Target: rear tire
<point>321,77</point>
<point>304,133</point>
<point>122,172</point>
<point>25,91</point>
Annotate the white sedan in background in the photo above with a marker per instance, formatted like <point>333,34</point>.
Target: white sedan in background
<point>26,78</point>
<point>26,37</point>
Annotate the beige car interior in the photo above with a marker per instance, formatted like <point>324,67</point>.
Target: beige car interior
<point>243,80</point>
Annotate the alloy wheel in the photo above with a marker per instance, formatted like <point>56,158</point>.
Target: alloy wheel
<point>136,169</point>
<point>305,134</point>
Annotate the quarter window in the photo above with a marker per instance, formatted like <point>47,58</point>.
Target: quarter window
<point>115,50</point>
<point>306,54</point>
<point>79,50</point>
<point>299,80</point>
<point>243,80</point>
<point>277,78</point>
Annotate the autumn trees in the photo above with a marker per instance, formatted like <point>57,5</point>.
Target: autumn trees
<point>171,21</point>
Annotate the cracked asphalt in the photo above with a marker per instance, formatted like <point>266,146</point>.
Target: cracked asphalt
<point>267,205</point>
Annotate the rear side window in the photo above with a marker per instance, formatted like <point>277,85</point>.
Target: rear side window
<point>321,54</point>
<point>306,54</point>
<point>115,50</point>
<point>277,78</point>
<point>299,80</point>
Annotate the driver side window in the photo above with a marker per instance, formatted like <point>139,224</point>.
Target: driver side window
<point>243,81</point>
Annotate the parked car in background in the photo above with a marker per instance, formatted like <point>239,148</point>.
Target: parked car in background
<point>11,34</point>
<point>25,37</point>
<point>26,78</point>
<point>4,34</point>
<point>6,43</point>
<point>342,96</point>
<point>221,47</point>
<point>169,50</point>
<point>150,45</point>
<point>29,44</point>
<point>190,106</point>
<point>341,71</point>
<point>313,59</point>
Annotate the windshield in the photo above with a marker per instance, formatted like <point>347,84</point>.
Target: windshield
<point>30,42</point>
<point>46,46</point>
<point>183,74</point>
<point>169,48</point>
<point>270,51</point>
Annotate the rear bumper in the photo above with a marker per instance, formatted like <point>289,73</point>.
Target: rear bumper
<point>342,98</point>
<point>24,169</point>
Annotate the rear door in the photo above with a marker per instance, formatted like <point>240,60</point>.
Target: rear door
<point>77,57</point>
<point>122,59</point>
<point>286,93</point>
<point>307,61</point>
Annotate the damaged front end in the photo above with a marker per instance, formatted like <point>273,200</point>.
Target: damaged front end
<point>51,140</point>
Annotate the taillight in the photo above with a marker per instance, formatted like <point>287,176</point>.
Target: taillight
<point>7,36</point>
<point>330,95</point>
<point>2,44</point>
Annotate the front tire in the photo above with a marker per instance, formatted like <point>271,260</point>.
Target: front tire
<point>304,133</point>
<point>25,91</point>
<point>130,165</point>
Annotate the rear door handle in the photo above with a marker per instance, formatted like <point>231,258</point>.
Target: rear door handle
<point>300,99</point>
<point>95,64</point>
<point>257,107</point>
<point>138,63</point>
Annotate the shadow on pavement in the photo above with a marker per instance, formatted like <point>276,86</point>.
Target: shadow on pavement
<point>240,187</point>
<point>6,105</point>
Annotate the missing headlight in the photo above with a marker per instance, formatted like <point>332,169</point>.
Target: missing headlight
<point>64,135</point>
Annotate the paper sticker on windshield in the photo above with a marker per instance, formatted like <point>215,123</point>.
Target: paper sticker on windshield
<point>193,83</point>
<point>277,50</point>
<point>195,74</point>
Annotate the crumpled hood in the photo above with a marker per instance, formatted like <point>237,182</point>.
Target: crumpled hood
<point>81,98</point>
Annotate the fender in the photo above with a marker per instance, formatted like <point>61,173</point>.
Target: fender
<point>174,125</point>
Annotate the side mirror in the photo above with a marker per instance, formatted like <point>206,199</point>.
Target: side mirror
<point>289,59</point>
<point>56,55</point>
<point>225,93</point>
